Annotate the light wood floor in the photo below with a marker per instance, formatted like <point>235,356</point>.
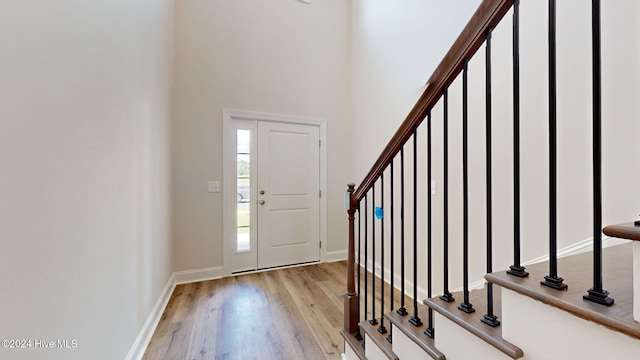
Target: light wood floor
<point>294,313</point>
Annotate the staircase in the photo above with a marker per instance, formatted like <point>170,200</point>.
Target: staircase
<point>414,290</point>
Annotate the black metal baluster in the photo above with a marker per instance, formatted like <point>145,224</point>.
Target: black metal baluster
<point>382,329</point>
<point>358,335</point>
<point>446,295</point>
<point>403,310</point>
<point>553,280</point>
<point>373,320</point>
<point>366,256</point>
<point>465,306</point>
<point>516,269</point>
<point>429,331</point>
<point>597,293</point>
<point>489,318</point>
<point>415,320</point>
<point>391,242</point>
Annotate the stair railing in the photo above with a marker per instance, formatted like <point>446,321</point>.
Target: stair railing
<point>477,32</point>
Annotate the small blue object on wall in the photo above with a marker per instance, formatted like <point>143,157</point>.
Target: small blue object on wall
<point>379,212</point>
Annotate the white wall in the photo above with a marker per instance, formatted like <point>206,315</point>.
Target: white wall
<point>85,104</point>
<point>280,57</point>
<point>394,49</point>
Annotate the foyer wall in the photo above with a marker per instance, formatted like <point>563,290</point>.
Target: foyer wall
<point>278,57</point>
<point>85,225</point>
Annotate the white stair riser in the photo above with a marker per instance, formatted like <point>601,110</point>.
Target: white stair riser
<point>349,354</point>
<point>457,343</point>
<point>544,332</point>
<point>405,348</point>
<point>372,351</point>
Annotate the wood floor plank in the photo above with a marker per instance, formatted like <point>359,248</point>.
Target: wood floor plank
<point>313,303</point>
<point>186,303</point>
<point>160,345</point>
<point>291,313</point>
<point>173,346</point>
<point>333,291</point>
<point>203,340</point>
<point>274,282</point>
<point>303,343</point>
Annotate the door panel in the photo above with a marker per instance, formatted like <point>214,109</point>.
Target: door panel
<point>296,223</point>
<point>288,194</point>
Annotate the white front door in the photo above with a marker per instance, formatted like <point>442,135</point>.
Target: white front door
<point>288,194</point>
<point>272,200</point>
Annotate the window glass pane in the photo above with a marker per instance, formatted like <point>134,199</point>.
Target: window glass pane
<point>243,181</point>
<point>244,141</point>
<point>243,168</point>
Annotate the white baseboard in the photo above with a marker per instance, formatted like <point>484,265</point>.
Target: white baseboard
<point>144,336</point>
<point>336,256</point>
<point>578,248</point>
<point>189,276</point>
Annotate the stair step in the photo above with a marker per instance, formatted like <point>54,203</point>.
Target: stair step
<point>354,343</point>
<point>379,339</point>
<point>628,231</point>
<point>415,333</point>
<point>472,322</point>
<point>576,271</point>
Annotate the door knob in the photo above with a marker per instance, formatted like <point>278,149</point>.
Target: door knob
<point>261,202</point>
<point>261,192</point>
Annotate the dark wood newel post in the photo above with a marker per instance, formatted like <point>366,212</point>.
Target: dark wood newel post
<point>351,297</point>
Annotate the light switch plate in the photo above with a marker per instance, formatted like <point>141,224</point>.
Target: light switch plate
<point>214,186</point>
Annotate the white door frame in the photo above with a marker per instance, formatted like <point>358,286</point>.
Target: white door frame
<point>229,116</point>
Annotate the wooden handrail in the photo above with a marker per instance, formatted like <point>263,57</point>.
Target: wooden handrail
<point>488,15</point>
<point>629,231</point>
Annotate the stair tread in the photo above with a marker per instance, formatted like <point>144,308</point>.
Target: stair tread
<point>355,344</point>
<point>415,333</point>
<point>472,322</point>
<point>379,339</point>
<point>576,271</point>
<point>624,231</point>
